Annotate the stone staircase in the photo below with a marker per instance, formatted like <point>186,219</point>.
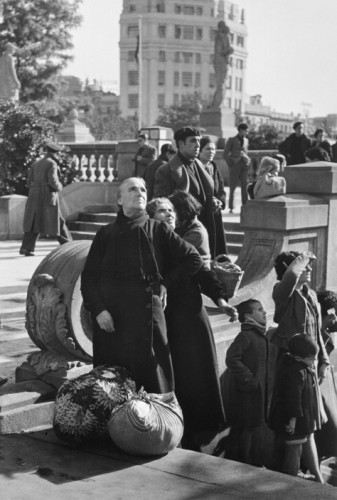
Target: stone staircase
<point>88,223</point>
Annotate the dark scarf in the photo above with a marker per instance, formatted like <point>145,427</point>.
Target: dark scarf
<point>134,252</point>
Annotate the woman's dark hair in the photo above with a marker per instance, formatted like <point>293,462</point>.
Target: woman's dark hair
<point>282,261</point>
<point>327,300</point>
<point>185,205</point>
<point>317,154</point>
<point>318,131</point>
<point>246,308</point>
<point>206,139</point>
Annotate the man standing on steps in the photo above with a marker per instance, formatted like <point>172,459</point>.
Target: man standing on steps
<point>145,155</point>
<point>238,161</point>
<point>42,212</point>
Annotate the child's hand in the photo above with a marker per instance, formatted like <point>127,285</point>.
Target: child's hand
<point>299,265</point>
<point>290,428</point>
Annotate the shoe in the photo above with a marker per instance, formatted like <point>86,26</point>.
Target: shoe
<point>26,253</point>
<point>231,211</point>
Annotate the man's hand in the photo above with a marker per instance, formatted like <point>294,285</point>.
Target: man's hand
<point>299,265</point>
<point>290,428</point>
<point>225,308</point>
<point>216,203</point>
<point>105,321</point>
<point>163,296</point>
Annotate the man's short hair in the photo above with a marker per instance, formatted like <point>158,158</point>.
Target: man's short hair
<point>183,133</point>
<point>282,261</point>
<point>167,148</point>
<point>152,206</point>
<point>143,136</point>
<point>246,308</point>
<point>242,126</point>
<point>297,124</point>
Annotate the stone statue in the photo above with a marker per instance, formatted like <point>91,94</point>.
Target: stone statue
<point>9,82</point>
<point>222,52</point>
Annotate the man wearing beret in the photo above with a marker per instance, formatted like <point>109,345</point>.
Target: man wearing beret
<point>42,212</point>
<point>295,145</point>
<point>184,172</point>
<point>145,155</point>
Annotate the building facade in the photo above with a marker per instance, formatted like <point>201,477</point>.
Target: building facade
<point>177,50</point>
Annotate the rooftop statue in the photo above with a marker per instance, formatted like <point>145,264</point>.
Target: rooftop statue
<point>222,52</point>
<point>9,82</point>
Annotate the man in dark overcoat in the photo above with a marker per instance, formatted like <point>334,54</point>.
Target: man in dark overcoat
<point>167,151</point>
<point>146,154</point>
<point>295,145</point>
<point>184,172</point>
<point>42,212</point>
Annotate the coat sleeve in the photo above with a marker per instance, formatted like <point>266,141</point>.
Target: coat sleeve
<point>293,394</point>
<point>161,183</point>
<point>285,288</point>
<point>228,151</point>
<point>210,285</point>
<point>234,361</point>
<point>53,179</point>
<point>90,274</point>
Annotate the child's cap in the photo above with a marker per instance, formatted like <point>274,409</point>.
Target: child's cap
<point>302,345</point>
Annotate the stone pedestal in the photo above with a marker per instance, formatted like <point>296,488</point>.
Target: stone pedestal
<point>219,122</point>
<point>73,130</point>
<point>126,152</point>
<point>12,209</point>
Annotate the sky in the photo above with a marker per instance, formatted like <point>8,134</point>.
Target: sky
<point>291,45</point>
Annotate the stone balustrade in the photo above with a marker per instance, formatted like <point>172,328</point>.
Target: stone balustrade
<point>96,161</point>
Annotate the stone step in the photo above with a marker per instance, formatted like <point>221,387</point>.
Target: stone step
<point>235,236</point>
<point>85,226</point>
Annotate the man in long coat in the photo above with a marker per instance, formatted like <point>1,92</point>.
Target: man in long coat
<point>184,172</point>
<point>42,212</point>
<point>295,145</point>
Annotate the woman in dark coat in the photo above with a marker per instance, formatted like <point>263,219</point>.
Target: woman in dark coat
<point>206,156</point>
<point>124,287</point>
<point>192,343</point>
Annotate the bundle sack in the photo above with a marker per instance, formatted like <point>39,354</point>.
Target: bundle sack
<point>84,405</point>
<point>148,424</point>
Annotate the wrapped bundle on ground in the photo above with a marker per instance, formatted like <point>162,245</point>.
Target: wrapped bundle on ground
<point>84,405</point>
<point>148,424</point>
<point>229,274</point>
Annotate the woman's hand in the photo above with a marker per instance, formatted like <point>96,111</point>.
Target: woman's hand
<point>322,372</point>
<point>163,296</point>
<point>290,428</point>
<point>225,308</point>
<point>105,321</point>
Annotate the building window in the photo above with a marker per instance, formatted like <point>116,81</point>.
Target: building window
<point>176,99</point>
<point>228,102</point>
<point>231,37</point>
<point>162,56</point>
<point>230,62</point>
<point>238,84</point>
<point>238,104</point>
<point>240,40</point>
<point>199,33</point>
<point>176,79</point>
<point>161,7</point>
<point>199,11</point>
<point>133,78</point>
<point>197,80</point>
<point>131,55</point>
<point>187,57</point>
<point>188,32</point>
<point>212,34</point>
<point>132,31</point>
<point>133,101</point>
<point>239,63</point>
<point>198,58</point>
<point>177,57</point>
<point>161,100</point>
<point>187,79</point>
<point>161,78</point>
<point>177,31</point>
<point>132,8</point>
<point>177,9</point>
<point>188,10</point>
<point>211,80</point>
<point>162,31</point>
<point>228,82</point>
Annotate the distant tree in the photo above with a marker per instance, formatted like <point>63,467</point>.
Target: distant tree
<point>111,126</point>
<point>188,113</point>
<point>263,137</point>
<point>41,29</point>
<point>23,132</point>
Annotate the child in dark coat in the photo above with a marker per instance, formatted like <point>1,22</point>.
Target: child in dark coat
<point>295,410</point>
<point>248,360</point>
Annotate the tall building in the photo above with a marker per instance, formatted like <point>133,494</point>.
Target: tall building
<point>177,53</point>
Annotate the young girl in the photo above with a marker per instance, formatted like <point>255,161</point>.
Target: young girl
<point>268,182</point>
<point>295,412</point>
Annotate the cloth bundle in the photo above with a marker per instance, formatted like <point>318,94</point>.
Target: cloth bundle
<point>84,405</point>
<point>148,424</point>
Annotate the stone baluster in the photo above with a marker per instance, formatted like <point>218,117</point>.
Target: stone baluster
<point>98,170</point>
<point>106,167</point>
<point>88,169</point>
